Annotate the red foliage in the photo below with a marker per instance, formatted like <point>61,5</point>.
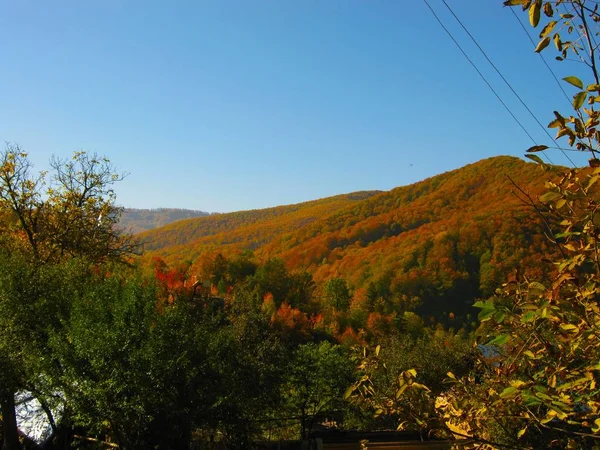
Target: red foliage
<point>350,338</point>
<point>292,323</point>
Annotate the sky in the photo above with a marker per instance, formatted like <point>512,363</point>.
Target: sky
<point>231,105</point>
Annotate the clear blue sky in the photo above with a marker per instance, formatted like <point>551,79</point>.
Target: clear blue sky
<point>229,105</point>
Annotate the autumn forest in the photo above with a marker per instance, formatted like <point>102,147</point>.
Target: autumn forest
<point>461,311</point>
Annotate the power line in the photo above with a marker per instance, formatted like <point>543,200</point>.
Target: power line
<point>481,75</point>
<point>479,72</point>
<point>541,56</point>
<point>505,80</point>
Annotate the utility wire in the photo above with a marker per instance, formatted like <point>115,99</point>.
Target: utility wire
<point>505,80</point>
<point>481,75</point>
<point>541,56</point>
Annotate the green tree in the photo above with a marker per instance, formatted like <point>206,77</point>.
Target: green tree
<point>46,220</point>
<point>315,381</point>
<point>337,294</point>
<point>135,375</point>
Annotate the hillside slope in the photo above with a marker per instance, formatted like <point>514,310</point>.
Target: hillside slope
<point>441,242</point>
<point>139,220</point>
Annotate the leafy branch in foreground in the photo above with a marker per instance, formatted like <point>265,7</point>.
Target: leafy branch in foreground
<point>535,382</point>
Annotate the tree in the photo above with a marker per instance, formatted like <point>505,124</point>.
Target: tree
<point>337,294</point>
<point>46,221</point>
<point>315,381</point>
<point>74,213</point>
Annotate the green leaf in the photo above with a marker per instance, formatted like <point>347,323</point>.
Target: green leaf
<point>569,328</point>
<point>579,99</point>
<point>483,305</point>
<point>510,391</point>
<point>536,288</point>
<point>348,392</point>
<point>499,316</point>
<point>485,314</point>
<point>542,44</point>
<point>574,81</point>
<point>521,433</point>
<point>499,340</point>
<point>534,13</point>
<point>535,158</point>
<point>528,316</point>
<point>550,196</point>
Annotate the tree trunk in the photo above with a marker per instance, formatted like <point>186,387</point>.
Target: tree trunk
<point>9,422</point>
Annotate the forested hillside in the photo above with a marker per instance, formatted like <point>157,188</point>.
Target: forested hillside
<point>436,245</point>
<point>138,220</point>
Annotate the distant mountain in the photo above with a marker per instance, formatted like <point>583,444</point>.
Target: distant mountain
<point>138,220</point>
<point>442,242</point>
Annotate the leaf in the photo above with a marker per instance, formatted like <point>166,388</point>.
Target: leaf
<point>569,328</point>
<point>579,99</point>
<point>534,13</point>
<point>499,316</point>
<point>510,391</point>
<point>542,44</point>
<point>535,158</point>
<point>537,148</point>
<point>555,124</point>
<point>528,316</point>
<point>550,196</point>
<point>485,314</point>
<point>547,29</point>
<point>521,433</point>
<point>558,43</point>
<point>377,350</point>
<point>536,288</point>
<point>420,386</point>
<point>499,340</point>
<point>483,305</point>
<point>348,392</point>
<point>574,81</point>
<point>560,118</point>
